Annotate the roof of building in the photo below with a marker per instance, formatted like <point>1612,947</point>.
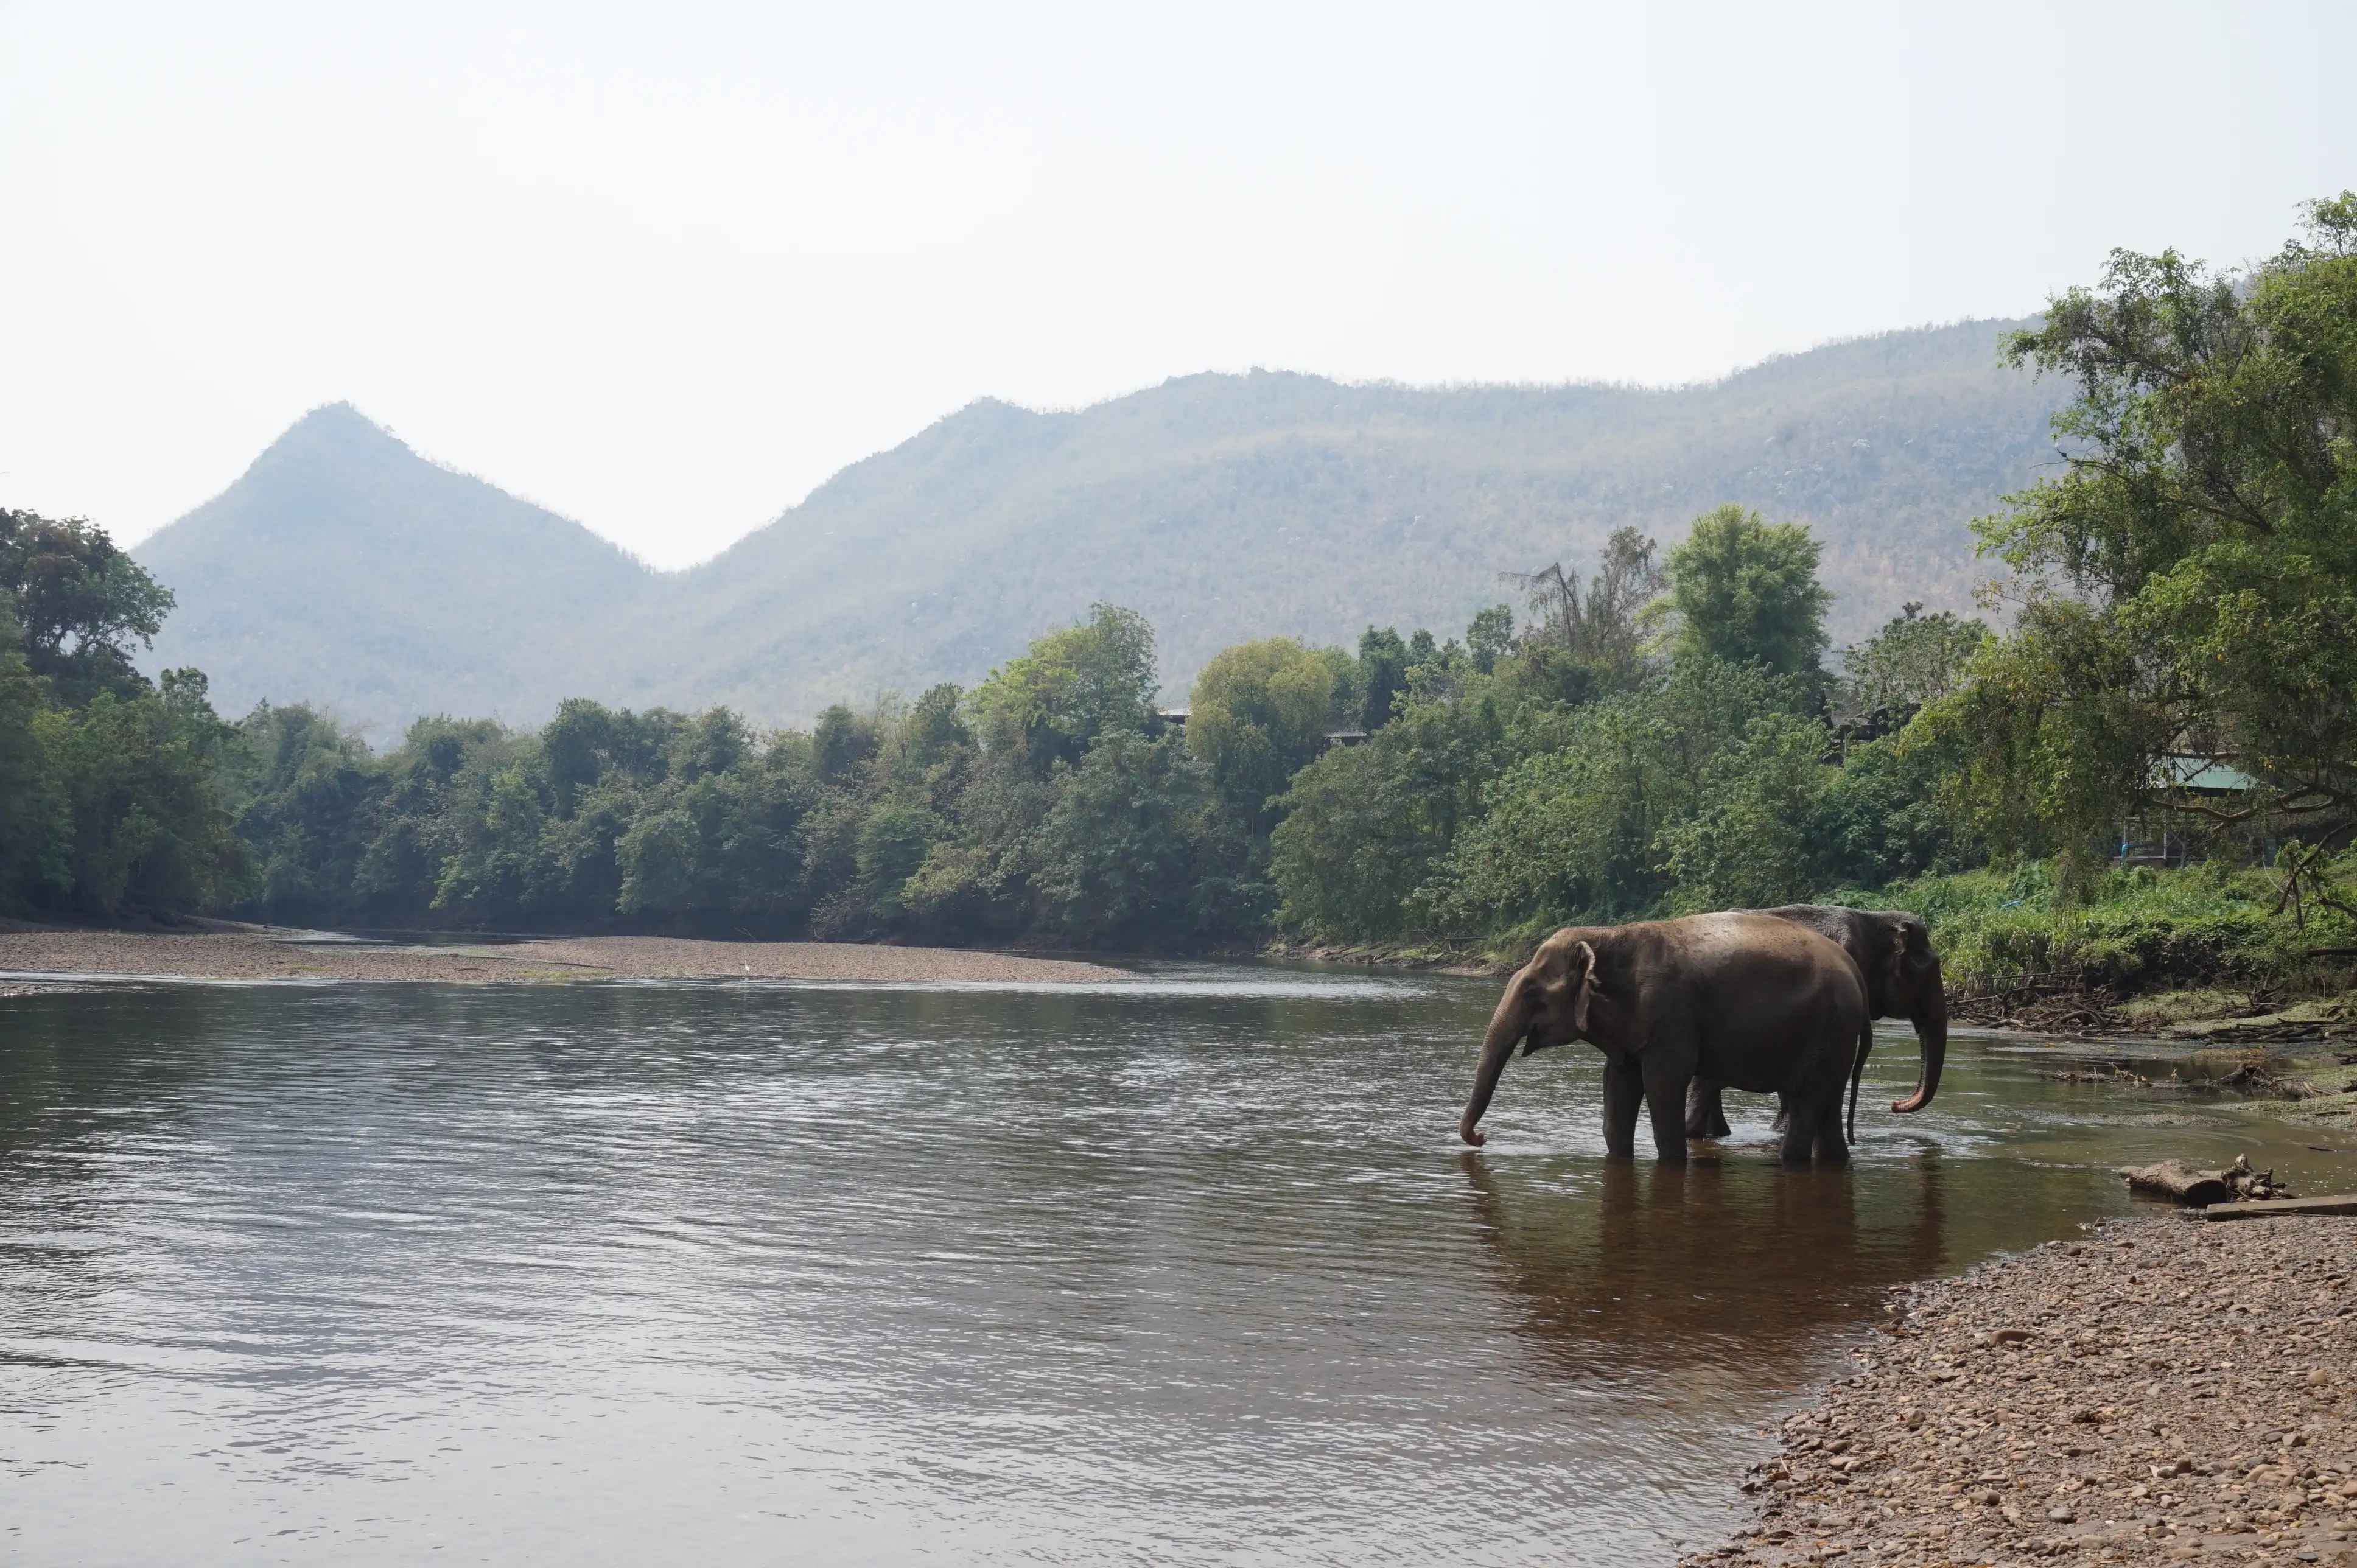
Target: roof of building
<point>2200,776</point>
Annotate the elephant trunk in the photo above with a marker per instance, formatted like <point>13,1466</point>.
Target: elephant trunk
<point>1507,1025</point>
<point>1931,1031</point>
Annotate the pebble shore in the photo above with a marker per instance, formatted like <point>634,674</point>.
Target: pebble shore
<point>259,953</point>
<point>2167,1390</point>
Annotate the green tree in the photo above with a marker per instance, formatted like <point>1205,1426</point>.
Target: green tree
<point>709,743</point>
<point>1383,676</point>
<point>1913,660</point>
<point>659,864</point>
<point>1134,852</point>
<point>577,747</point>
<point>1355,841</point>
<point>841,744</point>
<point>1490,636</point>
<point>1257,715</point>
<point>138,776</point>
<point>434,785</point>
<point>81,603</point>
<point>2205,524</point>
<point>1585,829</point>
<point>1071,687</point>
<point>935,730</point>
<point>305,791</point>
<point>894,840</point>
<point>2054,736</point>
<point>1886,813</point>
<point>1752,841</point>
<point>35,828</point>
<point>1746,592</point>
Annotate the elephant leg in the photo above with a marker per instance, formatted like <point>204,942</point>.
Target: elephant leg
<point>1624,1090</point>
<point>1705,1115</point>
<point>1832,1147</point>
<point>1800,1132</point>
<point>1665,1094</point>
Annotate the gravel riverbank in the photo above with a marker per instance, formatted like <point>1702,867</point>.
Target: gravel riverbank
<point>2166,1391</point>
<point>260,953</point>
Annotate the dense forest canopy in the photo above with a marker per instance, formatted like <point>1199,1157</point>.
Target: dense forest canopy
<point>1650,730</point>
<point>345,570</point>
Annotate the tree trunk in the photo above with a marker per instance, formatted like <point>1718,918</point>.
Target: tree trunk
<point>2176,1179</point>
<point>2237,1183</point>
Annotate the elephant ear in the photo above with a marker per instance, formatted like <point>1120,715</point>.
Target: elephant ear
<point>1914,956</point>
<point>1583,986</point>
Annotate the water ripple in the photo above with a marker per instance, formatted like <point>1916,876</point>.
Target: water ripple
<point>1185,1269</point>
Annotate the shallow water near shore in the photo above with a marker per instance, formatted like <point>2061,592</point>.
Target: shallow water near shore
<point>1189,1268</point>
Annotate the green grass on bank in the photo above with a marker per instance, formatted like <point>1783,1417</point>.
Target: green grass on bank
<point>2135,931</point>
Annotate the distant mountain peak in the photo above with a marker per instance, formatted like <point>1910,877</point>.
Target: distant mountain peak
<point>337,419</point>
<point>334,434</point>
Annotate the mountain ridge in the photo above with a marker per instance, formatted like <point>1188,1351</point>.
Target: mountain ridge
<point>1222,506</point>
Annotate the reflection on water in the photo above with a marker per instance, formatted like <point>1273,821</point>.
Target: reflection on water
<point>1190,1270</point>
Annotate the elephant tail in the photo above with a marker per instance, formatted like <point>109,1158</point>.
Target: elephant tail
<point>1857,1072</point>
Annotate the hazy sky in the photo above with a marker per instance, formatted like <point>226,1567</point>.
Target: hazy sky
<point>665,268</point>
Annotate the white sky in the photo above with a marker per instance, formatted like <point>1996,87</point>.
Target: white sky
<point>665,268</point>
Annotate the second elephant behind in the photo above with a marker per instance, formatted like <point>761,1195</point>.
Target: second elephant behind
<point>1892,950</point>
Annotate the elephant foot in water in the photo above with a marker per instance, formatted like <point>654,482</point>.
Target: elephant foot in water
<point>1814,1133</point>
<point>1705,1116</point>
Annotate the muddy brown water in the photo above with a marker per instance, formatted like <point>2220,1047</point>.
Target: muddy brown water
<point>1189,1269</point>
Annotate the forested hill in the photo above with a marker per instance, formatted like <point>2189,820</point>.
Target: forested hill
<point>343,568</point>
<point>1222,507</point>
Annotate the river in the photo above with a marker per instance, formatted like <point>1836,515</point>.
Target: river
<point>1189,1269</point>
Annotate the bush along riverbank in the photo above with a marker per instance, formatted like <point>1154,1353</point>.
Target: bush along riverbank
<point>2208,950</point>
<point>2160,1392</point>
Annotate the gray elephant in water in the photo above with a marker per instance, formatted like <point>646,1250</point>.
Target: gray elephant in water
<point>1892,950</point>
<point>1743,999</point>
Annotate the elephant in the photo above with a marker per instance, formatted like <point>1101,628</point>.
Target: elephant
<point>1739,998</point>
<point>1892,950</point>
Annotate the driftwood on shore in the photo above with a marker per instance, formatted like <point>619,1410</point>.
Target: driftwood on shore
<point>2343,1203</point>
<point>2196,1187</point>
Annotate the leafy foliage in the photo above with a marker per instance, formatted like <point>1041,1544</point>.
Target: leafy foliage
<point>1259,713</point>
<point>1746,592</point>
<point>80,604</point>
<point>1915,659</point>
<point>2205,526</point>
<point>1052,704</point>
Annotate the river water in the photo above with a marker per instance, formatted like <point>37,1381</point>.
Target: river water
<point>1185,1269</point>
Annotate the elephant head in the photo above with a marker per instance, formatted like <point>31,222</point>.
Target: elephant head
<point>1911,986</point>
<point>1547,1002</point>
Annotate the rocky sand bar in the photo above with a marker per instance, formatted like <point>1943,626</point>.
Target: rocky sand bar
<point>259,953</point>
<point>2166,1391</point>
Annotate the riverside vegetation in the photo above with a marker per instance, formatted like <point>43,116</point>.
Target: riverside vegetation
<point>1656,733</point>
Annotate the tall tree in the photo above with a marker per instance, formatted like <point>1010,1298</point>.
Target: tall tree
<point>1913,660</point>
<point>1071,687</point>
<point>1746,592</point>
<point>1489,637</point>
<point>1597,620</point>
<point>34,828</point>
<point>1383,676</point>
<point>1257,714</point>
<point>82,602</point>
<point>2190,578</point>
